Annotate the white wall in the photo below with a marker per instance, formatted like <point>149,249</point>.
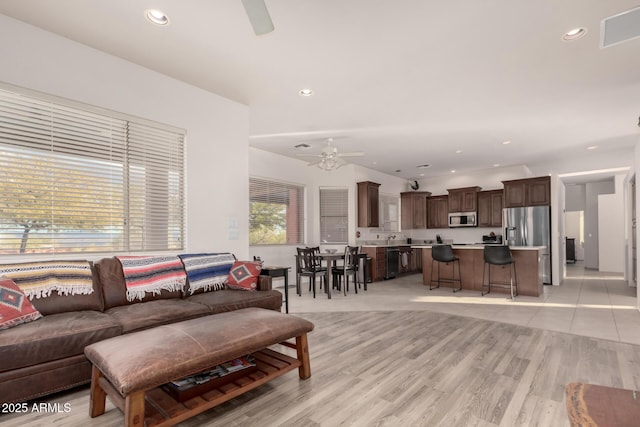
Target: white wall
<point>611,229</point>
<point>575,196</point>
<point>591,234</point>
<point>488,179</point>
<point>217,129</point>
<point>273,166</point>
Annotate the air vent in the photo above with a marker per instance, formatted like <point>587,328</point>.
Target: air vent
<point>302,146</point>
<point>620,28</point>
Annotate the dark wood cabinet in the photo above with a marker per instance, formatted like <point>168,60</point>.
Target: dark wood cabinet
<point>438,212</point>
<point>490,208</point>
<point>413,206</point>
<point>378,262</point>
<point>463,199</point>
<point>527,192</point>
<point>368,204</point>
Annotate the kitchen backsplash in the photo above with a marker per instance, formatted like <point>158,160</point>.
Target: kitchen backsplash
<point>456,235</point>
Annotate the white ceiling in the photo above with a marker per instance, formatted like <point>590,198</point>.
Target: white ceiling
<point>408,82</point>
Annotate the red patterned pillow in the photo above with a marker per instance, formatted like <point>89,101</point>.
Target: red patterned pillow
<point>15,307</point>
<point>244,275</point>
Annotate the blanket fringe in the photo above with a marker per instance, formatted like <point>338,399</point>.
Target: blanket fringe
<point>46,291</point>
<point>139,292</point>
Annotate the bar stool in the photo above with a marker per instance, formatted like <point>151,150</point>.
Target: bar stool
<point>444,254</point>
<point>499,255</point>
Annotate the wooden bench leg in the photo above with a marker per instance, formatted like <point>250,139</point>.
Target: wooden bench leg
<point>302,348</point>
<point>134,409</point>
<point>98,395</point>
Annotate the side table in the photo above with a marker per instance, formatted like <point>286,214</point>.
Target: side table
<point>277,271</point>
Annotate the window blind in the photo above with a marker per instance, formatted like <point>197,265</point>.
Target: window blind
<point>334,220</point>
<point>276,212</point>
<point>76,179</point>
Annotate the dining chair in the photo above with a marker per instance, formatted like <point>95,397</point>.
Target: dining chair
<point>348,267</point>
<point>308,264</point>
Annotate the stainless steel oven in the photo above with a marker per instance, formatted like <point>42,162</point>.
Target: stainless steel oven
<point>463,219</point>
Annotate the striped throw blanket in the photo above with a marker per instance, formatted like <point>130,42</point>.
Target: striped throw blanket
<point>152,274</point>
<point>39,279</point>
<point>207,271</point>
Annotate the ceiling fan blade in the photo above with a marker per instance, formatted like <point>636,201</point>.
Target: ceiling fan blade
<point>258,16</point>
<point>309,155</point>
<point>353,154</point>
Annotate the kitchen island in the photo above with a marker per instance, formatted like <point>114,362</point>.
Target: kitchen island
<point>528,268</point>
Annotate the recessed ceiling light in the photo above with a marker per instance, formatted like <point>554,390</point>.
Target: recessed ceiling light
<point>421,174</point>
<point>305,92</point>
<point>453,171</point>
<point>574,34</point>
<point>495,165</point>
<point>156,16</point>
<point>458,151</point>
<point>506,142</point>
<point>592,147</point>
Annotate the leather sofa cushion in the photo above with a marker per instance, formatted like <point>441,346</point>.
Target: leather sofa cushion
<point>54,337</point>
<point>114,289</point>
<point>229,300</point>
<point>149,314</point>
<point>55,303</point>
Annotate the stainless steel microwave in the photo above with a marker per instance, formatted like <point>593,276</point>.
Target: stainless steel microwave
<point>463,219</point>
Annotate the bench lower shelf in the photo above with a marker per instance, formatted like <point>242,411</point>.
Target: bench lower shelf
<point>162,410</point>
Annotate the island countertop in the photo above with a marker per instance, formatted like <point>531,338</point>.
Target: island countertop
<point>481,246</point>
<point>527,261</point>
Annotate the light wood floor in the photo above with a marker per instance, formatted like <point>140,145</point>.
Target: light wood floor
<point>409,368</point>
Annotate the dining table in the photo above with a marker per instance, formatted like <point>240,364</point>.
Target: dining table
<point>330,260</point>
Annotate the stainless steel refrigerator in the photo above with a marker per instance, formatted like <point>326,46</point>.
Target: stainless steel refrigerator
<point>530,226</point>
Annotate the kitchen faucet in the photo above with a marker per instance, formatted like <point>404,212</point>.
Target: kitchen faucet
<point>389,237</point>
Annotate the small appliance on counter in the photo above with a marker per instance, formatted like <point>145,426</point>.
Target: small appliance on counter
<point>492,239</point>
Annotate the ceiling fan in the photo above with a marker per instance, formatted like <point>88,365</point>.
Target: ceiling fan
<point>258,16</point>
<point>330,158</point>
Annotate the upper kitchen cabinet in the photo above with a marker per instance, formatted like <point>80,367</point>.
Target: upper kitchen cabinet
<point>437,212</point>
<point>527,192</point>
<point>490,208</point>
<point>463,199</point>
<point>413,206</point>
<point>368,204</point>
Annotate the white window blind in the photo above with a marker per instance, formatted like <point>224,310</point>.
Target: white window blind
<point>276,212</point>
<point>74,178</point>
<point>334,224</point>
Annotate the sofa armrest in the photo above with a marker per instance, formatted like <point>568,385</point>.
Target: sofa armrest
<point>264,283</point>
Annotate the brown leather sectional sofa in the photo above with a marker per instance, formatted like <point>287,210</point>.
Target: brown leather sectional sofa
<point>47,355</point>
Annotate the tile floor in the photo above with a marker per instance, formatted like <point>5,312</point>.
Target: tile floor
<point>588,303</point>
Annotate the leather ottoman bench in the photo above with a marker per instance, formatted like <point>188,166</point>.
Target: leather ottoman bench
<point>131,368</point>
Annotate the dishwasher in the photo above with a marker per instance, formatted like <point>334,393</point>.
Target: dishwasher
<point>392,255</point>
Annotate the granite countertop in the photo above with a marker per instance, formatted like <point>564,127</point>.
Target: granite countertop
<point>480,246</point>
<point>384,245</point>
